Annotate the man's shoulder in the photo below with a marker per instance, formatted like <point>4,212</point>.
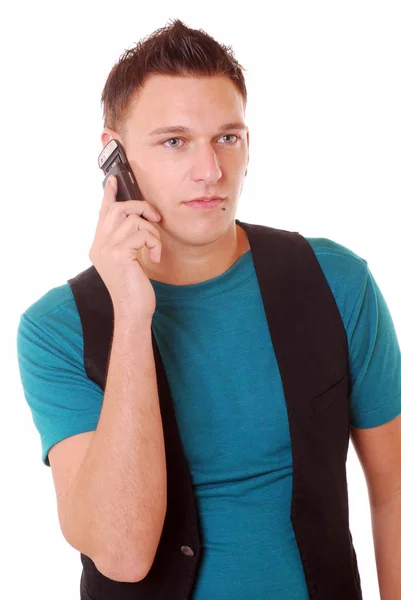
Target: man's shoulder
<point>345,271</point>
<point>337,260</point>
<point>60,298</point>
<point>327,247</point>
<point>53,301</point>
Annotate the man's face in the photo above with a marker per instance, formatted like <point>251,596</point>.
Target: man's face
<point>207,160</point>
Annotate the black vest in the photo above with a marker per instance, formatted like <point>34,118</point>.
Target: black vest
<point>311,348</point>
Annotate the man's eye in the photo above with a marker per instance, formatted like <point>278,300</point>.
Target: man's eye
<point>170,140</point>
<point>231,135</point>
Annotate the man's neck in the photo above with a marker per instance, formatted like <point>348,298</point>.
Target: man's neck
<point>178,269</point>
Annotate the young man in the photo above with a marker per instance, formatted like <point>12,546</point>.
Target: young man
<point>183,269</point>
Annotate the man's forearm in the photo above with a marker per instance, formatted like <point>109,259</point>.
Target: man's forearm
<point>116,505</point>
<point>386,528</point>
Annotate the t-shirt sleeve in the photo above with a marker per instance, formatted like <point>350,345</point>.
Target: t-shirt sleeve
<point>374,359</point>
<point>62,399</point>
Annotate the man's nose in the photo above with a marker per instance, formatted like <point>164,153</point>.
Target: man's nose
<point>206,165</point>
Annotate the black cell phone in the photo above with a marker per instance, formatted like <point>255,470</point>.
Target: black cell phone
<point>113,161</point>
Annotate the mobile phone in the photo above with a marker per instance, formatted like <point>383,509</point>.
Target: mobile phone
<point>113,161</point>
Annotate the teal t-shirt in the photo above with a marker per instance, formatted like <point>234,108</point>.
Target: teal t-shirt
<point>229,402</point>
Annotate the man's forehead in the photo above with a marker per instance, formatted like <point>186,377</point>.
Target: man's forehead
<point>182,109</point>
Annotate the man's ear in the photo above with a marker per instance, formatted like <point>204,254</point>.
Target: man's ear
<point>107,135</point>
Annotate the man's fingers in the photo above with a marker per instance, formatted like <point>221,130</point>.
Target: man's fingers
<point>110,193</point>
<point>116,211</point>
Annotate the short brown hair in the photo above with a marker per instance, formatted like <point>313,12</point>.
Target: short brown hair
<point>172,50</point>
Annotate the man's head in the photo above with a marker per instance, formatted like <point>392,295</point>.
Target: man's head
<point>181,77</point>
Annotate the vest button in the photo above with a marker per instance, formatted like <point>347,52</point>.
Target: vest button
<point>187,551</point>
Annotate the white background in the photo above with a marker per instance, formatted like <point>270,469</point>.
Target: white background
<point>324,84</point>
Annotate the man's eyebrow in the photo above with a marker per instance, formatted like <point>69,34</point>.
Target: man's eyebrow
<point>181,129</point>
